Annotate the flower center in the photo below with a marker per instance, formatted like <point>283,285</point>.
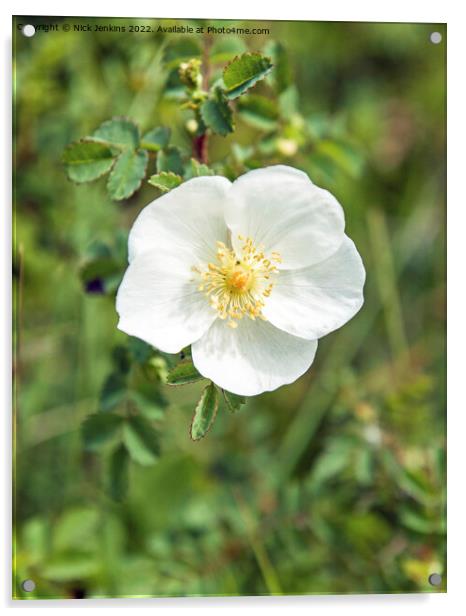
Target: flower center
<point>238,284</point>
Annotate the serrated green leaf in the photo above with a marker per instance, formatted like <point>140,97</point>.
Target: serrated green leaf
<point>183,373</point>
<point>165,181</point>
<point>245,71</point>
<point>99,428</point>
<point>127,174</point>
<point>86,161</point>
<point>205,412</point>
<point>120,132</point>
<point>258,111</point>
<point>170,159</point>
<point>196,169</point>
<point>156,139</point>
<point>118,473</point>
<point>217,114</point>
<point>234,402</point>
<point>141,440</point>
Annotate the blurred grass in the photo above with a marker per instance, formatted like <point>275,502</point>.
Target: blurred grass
<point>333,484</point>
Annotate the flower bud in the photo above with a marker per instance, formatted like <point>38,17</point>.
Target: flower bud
<point>190,73</point>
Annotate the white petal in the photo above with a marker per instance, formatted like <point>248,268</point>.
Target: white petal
<point>253,358</point>
<point>316,300</point>
<point>187,220</point>
<point>158,301</point>
<point>282,209</point>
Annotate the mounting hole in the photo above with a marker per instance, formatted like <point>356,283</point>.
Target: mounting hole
<point>435,38</point>
<point>435,579</point>
<point>28,30</point>
<point>28,585</point>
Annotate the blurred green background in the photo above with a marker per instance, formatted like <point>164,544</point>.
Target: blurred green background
<point>335,484</point>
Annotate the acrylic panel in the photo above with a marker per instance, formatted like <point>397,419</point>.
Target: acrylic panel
<point>229,307</point>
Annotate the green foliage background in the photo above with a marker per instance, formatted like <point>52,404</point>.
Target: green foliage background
<point>335,484</point>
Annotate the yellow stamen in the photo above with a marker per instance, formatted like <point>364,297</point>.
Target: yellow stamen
<point>237,284</point>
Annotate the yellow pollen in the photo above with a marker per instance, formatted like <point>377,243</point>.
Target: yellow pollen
<point>239,282</point>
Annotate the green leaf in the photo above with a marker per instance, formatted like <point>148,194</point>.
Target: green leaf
<point>170,159</point>
<point>86,161</point>
<point>119,132</point>
<point>156,139</point>
<point>196,169</point>
<point>205,412</point>
<point>245,71</point>
<point>165,181</point>
<point>118,473</point>
<point>234,402</point>
<point>217,114</point>
<point>141,440</point>
<point>99,428</point>
<point>127,174</point>
<point>258,111</point>
<point>182,374</point>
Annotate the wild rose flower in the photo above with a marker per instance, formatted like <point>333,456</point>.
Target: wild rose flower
<point>250,273</point>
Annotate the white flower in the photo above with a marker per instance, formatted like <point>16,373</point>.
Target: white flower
<point>250,273</point>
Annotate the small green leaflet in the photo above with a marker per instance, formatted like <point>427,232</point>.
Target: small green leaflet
<point>119,132</point>
<point>195,169</point>
<point>234,402</point>
<point>165,180</point>
<point>245,71</point>
<point>217,114</point>
<point>127,174</point>
<point>86,161</point>
<point>205,412</point>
